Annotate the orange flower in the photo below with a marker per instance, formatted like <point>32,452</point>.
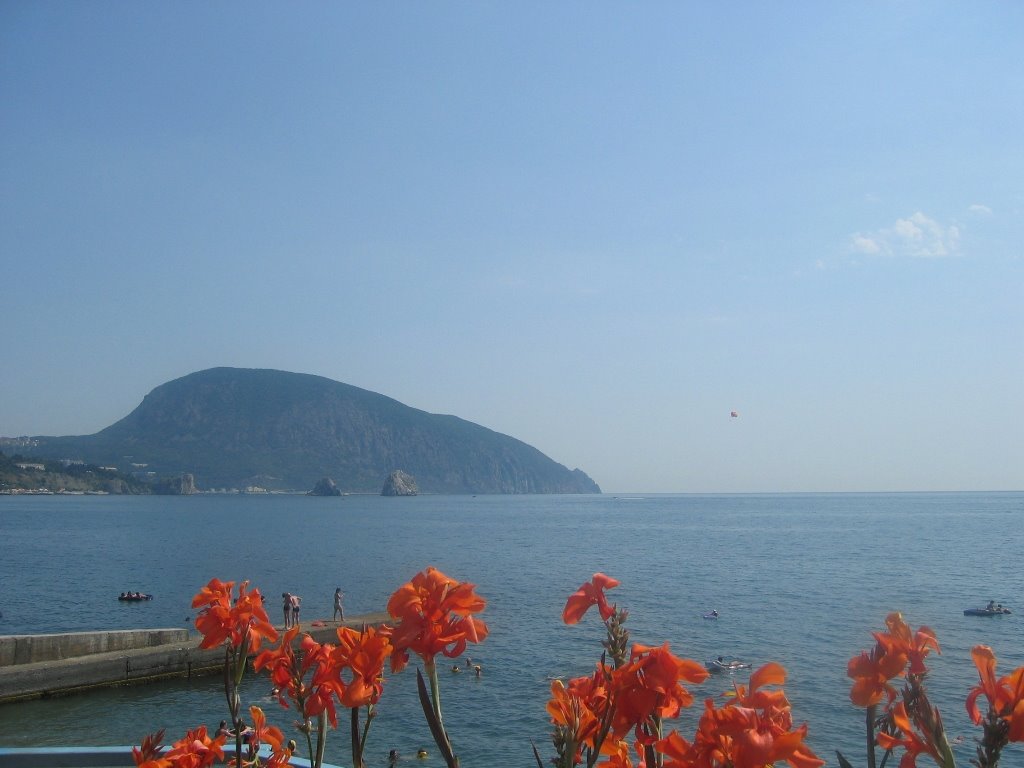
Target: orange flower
<point>148,756</point>
<point>221,620</point>
<point>1005,695</point>
<point>755,729</point>
<point>650,685</point>
<point>591,593</point>
<point>619,756</point>
<point>263,733</point>
<point>197,750</point>
<point>910,741</point>
<point>915,644</point>
<point>325,683</point>
<point>872,672</point>
<point>288,672</point>
<point>435,615</point>
<point>363,653</point>
<point>893,649</point>
<point>572,712</point>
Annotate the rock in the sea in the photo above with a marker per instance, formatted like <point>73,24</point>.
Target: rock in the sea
<point>325,487</point>
<point>399,483</point>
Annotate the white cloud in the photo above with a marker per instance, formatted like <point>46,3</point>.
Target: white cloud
<point>863,244</point>
<point>980,210</point>
<point>916,236</point>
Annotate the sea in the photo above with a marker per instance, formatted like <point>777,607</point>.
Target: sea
<point>799,579</point>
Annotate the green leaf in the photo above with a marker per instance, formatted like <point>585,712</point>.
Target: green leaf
<point>536,755</point>
<point>436,729</point>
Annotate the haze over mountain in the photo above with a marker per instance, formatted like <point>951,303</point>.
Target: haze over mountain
<point>235,427</point>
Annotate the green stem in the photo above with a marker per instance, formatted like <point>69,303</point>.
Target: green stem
<point>357,751</point>
<point>435,700</point>
<point>321,739</point>
<point>309,739</point>
<point>370,714</point>
<point>870,726</point>
<point>435,689</point>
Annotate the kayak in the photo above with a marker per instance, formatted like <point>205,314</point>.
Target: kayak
<point>134,598</point>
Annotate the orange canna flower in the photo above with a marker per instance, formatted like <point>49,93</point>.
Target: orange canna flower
<point>148,755</point>
<point>242,621</point>
<point>325,683</point>
<point>1005,695</point>
<point>572,712</point>
<point>435,615</point>
<point>363,653</point>
<point>263,733</point>
<point>910,741</point>
<point>915,644</point>
<point>197,750</point>
<point>283,666</point>
<point>754,729</point>
<point>591,593</point>
<point>288,671</point>
<point>650,685</point>
<point>872,672</point>
<point>619,756</point>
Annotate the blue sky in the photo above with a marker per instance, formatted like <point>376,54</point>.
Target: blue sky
<point>597,227</point>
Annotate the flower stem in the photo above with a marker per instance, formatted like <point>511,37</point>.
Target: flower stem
<point>321,739</point>
<point>357,747</point>
<point>869,718</point>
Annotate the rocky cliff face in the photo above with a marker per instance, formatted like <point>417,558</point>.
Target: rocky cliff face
<point>185,485</point>
<point>399,484</point>
<point>326,487</point>
<point>228,425</point>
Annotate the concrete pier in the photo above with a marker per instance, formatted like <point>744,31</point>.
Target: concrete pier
<point>30,649</point>
<point>63,674</point>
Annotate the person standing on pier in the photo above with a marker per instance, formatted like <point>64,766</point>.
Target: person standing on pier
<point>296,604</point>
<point>339,609</point>
<point>287,610</point>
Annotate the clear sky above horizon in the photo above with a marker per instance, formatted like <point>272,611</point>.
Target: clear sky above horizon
<point>596,227</point>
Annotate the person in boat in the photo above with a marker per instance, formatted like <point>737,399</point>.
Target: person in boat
<point>1000,609</point>
<point>714,613</point>
<point>991,605</point>
<point>223,730</point>
<point>393,757</point>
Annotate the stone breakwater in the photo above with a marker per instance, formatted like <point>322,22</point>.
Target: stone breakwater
<point>39,666</point>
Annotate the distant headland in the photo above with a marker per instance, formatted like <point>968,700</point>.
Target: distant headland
<point>267,430</point>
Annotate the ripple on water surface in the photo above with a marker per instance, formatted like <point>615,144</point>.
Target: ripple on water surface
<point>799,579</point>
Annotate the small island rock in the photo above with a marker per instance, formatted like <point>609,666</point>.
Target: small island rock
<point>400,483</point>
<point>325,487</point>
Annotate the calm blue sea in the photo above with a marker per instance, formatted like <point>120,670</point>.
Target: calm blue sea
<point>798,579</point>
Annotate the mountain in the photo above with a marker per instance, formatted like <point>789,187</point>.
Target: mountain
<point>235,427</point>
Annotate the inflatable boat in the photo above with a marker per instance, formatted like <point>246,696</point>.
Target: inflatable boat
<point>986,611</point>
